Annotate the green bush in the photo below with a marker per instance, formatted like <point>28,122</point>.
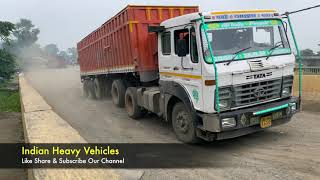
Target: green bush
<point>7,66</point>
<point>9,101</point>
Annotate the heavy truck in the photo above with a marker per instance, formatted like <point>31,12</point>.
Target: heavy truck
<point>213,75</point>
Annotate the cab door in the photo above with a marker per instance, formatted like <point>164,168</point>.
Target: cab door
<point>184,70</point>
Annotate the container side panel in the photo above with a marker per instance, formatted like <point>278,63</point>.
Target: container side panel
<point>124,42</point>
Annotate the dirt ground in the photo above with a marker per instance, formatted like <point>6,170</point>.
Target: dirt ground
<point>290,151</point>
<point>11,132</point>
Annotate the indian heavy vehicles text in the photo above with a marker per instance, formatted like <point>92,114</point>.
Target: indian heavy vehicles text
<point>213,75</point>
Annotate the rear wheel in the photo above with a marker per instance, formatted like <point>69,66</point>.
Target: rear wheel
<point>183,124</point>
<point>131,104</point>
<point>85,89</point>
<point>98,88</point>
<point>107,88</point>
<point>91,92</point>
<point>118,92</point>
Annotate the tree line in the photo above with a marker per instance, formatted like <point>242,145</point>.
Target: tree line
<point>309,52</point>
<point>18,45</point>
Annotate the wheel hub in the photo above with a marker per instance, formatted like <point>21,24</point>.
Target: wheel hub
<point>182,122</point>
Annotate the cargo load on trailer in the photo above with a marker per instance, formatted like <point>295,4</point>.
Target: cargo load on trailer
<point>123,43</point>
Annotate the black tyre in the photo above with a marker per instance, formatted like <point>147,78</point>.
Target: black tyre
<point>131,104</point>
<point>107,88</point>
<point>118,92</point>
<point>85,89</point>
<point>183,124</point>
<point>91,91</point>
<point>98,88</point>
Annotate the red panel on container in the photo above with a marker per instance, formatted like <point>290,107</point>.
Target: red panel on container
<point>123,43</point>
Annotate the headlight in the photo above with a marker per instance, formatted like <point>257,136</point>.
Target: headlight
<point>228,122</point>
<point>286,92</point>
<point>286,86</point>
<point>224,104</point>
<point>225,98</point>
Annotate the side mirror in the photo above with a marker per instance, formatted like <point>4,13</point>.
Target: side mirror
<point>182,47</point>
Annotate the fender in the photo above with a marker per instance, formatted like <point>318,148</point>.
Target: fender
<point>170,90</point>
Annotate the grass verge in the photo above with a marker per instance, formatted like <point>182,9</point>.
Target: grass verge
<point>9,101</point>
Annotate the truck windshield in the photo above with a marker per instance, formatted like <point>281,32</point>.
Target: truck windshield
<point>264,37</point>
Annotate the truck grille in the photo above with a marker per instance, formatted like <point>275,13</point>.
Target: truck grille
<point>256,92</point>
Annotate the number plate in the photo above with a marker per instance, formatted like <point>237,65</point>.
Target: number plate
<point>277,115</point>
<point>266,122</point>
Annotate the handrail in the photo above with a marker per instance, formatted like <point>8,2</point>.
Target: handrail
<point>310,70</point>
<point>298,55</point>
<point>217,98</point>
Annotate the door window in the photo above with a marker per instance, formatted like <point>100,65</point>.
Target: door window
<point>166,43</point>
<point>193,46</point>
<point>181,34</point>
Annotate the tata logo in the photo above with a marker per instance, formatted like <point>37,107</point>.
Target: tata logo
<point>259,92</point>
<point>259,76</point>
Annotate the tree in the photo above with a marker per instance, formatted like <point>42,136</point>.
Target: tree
<point>7,63</point>
<point>51,50</point>
<point>307,52</point>
<point>25,33</point>
<point>64,55</point>
<point>73,54</point>
<point>6,28</point>
<point>22,45</point>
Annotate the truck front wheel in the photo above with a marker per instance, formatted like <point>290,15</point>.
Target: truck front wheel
<point>183,124</point>
<point>133,109</point>
<point>118,92</point>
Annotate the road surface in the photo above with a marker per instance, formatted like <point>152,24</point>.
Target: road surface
<point>290,151</point>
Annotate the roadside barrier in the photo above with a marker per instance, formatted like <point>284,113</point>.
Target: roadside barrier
<point>42,125</point>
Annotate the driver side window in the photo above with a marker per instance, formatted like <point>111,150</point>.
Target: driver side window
<point>181,34</point>
<point>190,38</point>
<point>193,46</point>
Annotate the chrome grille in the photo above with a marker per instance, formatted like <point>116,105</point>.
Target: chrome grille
<point>256,92</point>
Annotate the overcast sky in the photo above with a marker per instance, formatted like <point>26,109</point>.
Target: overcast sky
<point>65,22</point>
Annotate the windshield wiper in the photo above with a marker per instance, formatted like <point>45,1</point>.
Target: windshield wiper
<point>236,54</point>
<point>278,44</point>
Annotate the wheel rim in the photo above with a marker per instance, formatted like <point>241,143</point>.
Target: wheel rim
<point>182,122</point>
<point>129,104</point>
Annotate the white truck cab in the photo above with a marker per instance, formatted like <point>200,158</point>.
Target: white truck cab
<point>254,66</point>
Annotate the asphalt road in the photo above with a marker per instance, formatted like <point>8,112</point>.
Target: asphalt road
<point>290,151</point>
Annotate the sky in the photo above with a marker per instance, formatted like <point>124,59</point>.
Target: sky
<point>66,22</point>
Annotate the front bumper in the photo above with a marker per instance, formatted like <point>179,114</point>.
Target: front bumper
<point>247,119</point>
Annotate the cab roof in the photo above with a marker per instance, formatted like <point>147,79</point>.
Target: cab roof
<point>222,16</point>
